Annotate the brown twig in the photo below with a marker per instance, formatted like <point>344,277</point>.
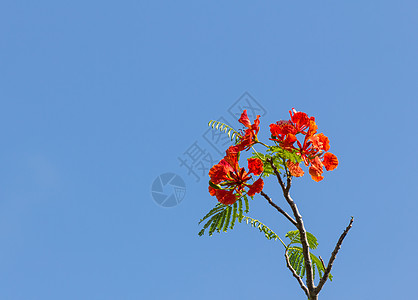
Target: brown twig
<point>333,256</point>
<point>279,208</point>
<point>300,226</point>
<point>298,278</point>
<point>277,173</point>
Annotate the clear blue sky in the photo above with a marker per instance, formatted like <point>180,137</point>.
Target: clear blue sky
<point>98,98</point>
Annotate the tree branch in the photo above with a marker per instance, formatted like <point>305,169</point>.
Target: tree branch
<point>300,226</point>
<point>333,256</point>
<point>302,285</point>
<point>304,242</point>
<point>277,173</point>
<point>279,209</point>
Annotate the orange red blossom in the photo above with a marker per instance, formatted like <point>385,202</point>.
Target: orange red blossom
<point>232,180</point>
<point>229,182</point>
<point>313,150</point>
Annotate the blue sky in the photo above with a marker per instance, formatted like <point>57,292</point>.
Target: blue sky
<point>99,98</point>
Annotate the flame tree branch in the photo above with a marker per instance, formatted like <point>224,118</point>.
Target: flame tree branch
<point>300,226</point>
<point>279,208</point>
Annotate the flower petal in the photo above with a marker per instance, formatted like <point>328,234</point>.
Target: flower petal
<point>320,141</point>
<point>226,197</point>
<point>295,169</point>
<point>330,161</point>
<point>217,174</point>
<point>256,187</point>
<point>300,119</point>
<point>315,170</point>
<point>212,191</point>
<point>244,119</point>
<point>315,174</point>
<point>255,166</point>
<point>312,128</point>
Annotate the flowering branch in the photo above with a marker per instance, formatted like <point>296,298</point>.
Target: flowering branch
<point>231,183</point>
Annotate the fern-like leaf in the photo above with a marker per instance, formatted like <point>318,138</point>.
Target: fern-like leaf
<point>295,238</point>
<point>268,233</point>
<point>228,218</point>
<point>285,154</point>
<point>234,213</point>
<point>232,133</point>
<point>222,217</point>
<point>247,205</point>
<point>297,261</point>
<point>240,211</point>
<point>213,211</point>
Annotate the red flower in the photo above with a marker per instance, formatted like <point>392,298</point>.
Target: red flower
<point>311,150</point>
<point>232,180</point>
<point>300,120</point>
<point>255,166</point>
<point>219,172</point>
<point>284,132</point>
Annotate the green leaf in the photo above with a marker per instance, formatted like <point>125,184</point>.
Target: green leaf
<point>214,223</point>
<point>268,233</point>
<point>211,220</point>
<point>285,154</point>
<point>295,238</point>
<point>222,217</point>
<point>228,217</point>
<point>296,253</point>
<point>222,220</point>
<point>239,211</point>
<point>234,213</point>
<point>297,261</point>
<point>232,133</point>
<point>247,205</point>
<point>219,207</point>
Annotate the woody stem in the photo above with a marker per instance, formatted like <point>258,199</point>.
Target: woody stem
<point>301,228</point>
<point>279,209</point>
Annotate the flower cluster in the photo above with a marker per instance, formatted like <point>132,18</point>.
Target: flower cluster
<point>314,149</point>
<point>227,180</point>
